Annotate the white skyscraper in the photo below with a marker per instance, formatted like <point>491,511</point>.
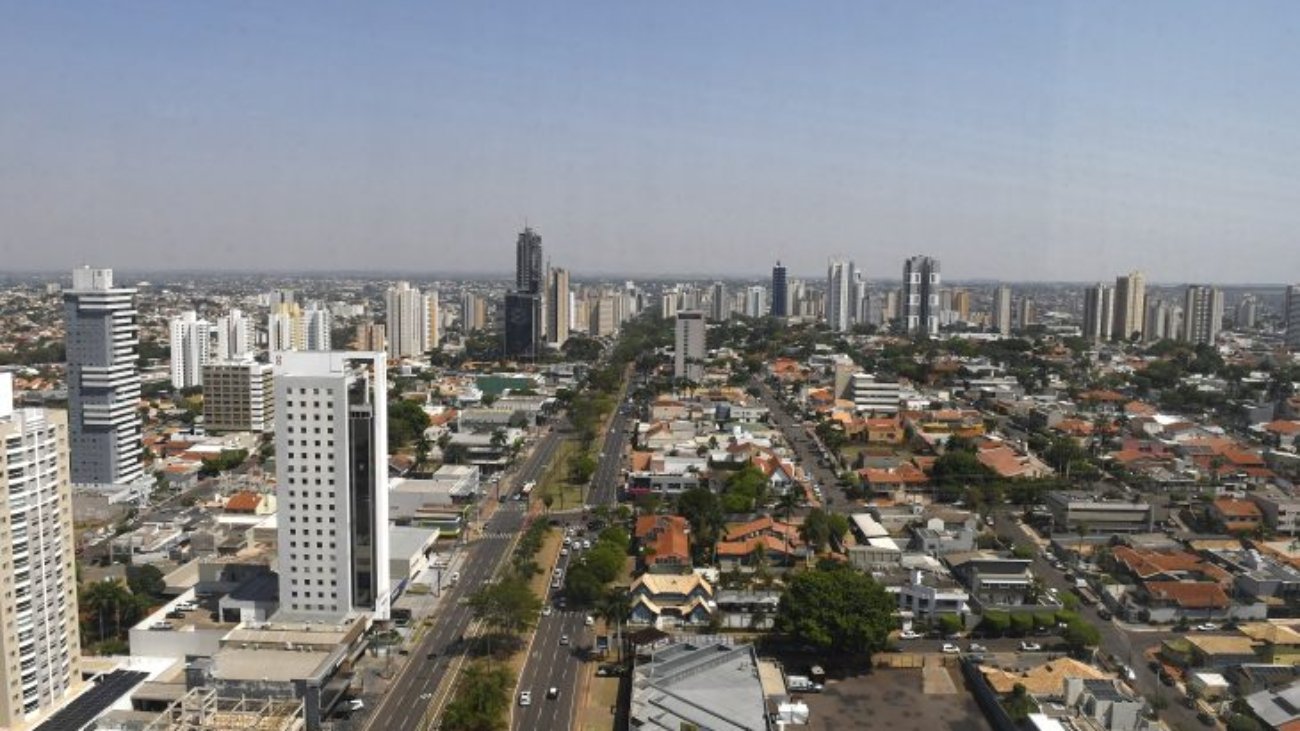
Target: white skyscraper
<point>1002,310</point>
<point>688,351</point>
<point>719,303</point>
<point>1130,306</point>
<point>331,446</point>
<point>39,641</point>
<point>234,336</point>
<point>756,301</point>
<point>407,321</point>
<point>840,281</point>
<point>289,327</point>
<point>1202,314</point>
<point>103,379</point>
<point>190,347</point>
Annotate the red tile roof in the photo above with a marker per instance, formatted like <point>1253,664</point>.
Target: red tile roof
<point>243,502</point>
<point>1189,594</point>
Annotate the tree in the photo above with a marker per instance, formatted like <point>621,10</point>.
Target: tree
<point>146,580</point>
<point>104,598</point>
<point>581,467</point>
<point>481,701</point>
<point>507,606</point>
<point>816,529</point>
<point>786,503</point>
<point>406,422</point>
<point>581,585</point>
<point>1020,704</point>
<point>839,527</point>
<point>703,510</point>
<point>615,607</point>
<point>1080,636</point>
<point>838,610</point>
<point>1242,722</point>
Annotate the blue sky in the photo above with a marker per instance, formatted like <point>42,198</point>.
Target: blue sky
<point>1013,140</point>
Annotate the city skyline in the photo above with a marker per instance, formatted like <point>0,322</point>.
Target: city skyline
<point>1016,143</point>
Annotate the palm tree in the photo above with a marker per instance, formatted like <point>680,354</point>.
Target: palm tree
<point>614,607</point>
<point>102,596</point>
<point>786,504</point>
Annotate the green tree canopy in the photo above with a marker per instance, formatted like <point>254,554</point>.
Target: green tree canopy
<point>838,610</point>
<point>507,605</point>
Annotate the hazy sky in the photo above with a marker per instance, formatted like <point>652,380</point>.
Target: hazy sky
<point>1027,140</point>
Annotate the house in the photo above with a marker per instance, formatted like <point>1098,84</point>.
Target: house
<point>243,503</point>
<point>889,480</point>
<point>1107,702</point>
<point>765,539</point>
<point>1236,516</point>
<point>1167,601</point>
<point>1010,464</point>
<point>1277,708</point>
<point>665,600</point>
<point>1221,651</point>
<point>663,543</point>
<point>1277,644</point>
<point>928,595</point>
<point>1041,681</point>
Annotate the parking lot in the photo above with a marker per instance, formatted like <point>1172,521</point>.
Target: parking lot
<point>893,699</point>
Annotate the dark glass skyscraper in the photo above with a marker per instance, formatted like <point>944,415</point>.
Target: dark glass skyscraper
<point>780,292</point>
<point>528,262</point>
<point>523,306</point>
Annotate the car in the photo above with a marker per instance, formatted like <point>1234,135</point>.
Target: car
<point>555,583</point>
<point>1030,647</point>
<point>455,576</point>
<point>546,610</point>
<point>525,698</point>
<point>567,541</point>
<point>586,545</point>
<point>1206,627</point>
<point>558,572</point>
<point>1104,614</point>
<point>356,704</point>
<point>564,552</point>
<point>1127,673</point>
<point>974,647</point>
<point>908,634</point>
<point>589,621</point>
<point>951,649</point>
<point>552,693</point>
<point>564,640</point>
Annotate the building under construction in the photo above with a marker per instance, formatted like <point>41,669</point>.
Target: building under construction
<point>203,709</point>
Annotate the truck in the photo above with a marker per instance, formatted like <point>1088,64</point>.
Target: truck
<point>801,684</point>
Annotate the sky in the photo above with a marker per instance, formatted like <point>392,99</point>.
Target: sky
<point>1013,140</point>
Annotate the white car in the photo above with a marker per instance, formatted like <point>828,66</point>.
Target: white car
<point>546,610</point>
<point>564,640</point>
<point>586,545</point>
<point>978,648</point>
<point>951,649</point>
<point>1207,627</point>
<point>526,698</point>
<point>589,621</point>
<point>908,634</point>
<point>1030,647</point>
<point>356,704</point>
<point>564,552</point>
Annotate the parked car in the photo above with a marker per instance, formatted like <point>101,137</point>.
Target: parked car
<point>951,649</point>
<point>1104,613</point>
<point>974,647</point>
<point>1030,647</point>
<point>552,693</point>
<point>908,634</point>
<point>1206,627</point>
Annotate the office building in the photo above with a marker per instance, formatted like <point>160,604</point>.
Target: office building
<point>688,351</point>
<point>960,304</point>
<point>39,641</point>
<point>1098,312</point>
<point>103,342</point>
<point>557,306</point>
<point>332,484</point>
<point>920,298</point>
<point>874,396</point>
<point>1130,306</point>
<point>1292,317</point>
<point>603,315</point>
<point>1002,309</point>
<point>239,396</point>
<point>406,321</point>
<point>1202,314</point>
<point>780,292</point>
<point>840,280</point>
<point>234,333</point>
<point>524,315</point>
<point>190,346</point>
<point>719,305</point>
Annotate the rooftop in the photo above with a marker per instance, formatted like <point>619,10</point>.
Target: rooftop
<point>702,682</point>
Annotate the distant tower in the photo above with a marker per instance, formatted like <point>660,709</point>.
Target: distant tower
<point>103,379</point>
<point>524,317</point>
<point>780,292</point>
<point>1002,310</point>
<point>190,343</point>
<point>234,336</point>
<point>839,295</point>
<point>1098,312</point>
<point>1202,314</point>
<point>920,301</point>
<point>331,568</point>
<point>528,262</point>
<point>557,306</point>
<point>688,351</point>
<point>406,321</point>
<point>719,305</point>
<point>1130,306</point>
<point>1293,317</point>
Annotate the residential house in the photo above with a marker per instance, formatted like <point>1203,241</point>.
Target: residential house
<point>992,580</point>
<point>1236,516</point>
<point>663,543</point>
<point>1276,644</point>
<point>1107,702</point>
<point>1221,650</point>
<point>1167,601</point>
<point>667,600</point>
<point>927,595</point>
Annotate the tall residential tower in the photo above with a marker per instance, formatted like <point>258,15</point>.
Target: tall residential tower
<point>920,300</point>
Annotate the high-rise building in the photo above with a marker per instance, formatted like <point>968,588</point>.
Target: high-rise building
<point>719,306</point>
<point>40,653</point>
<point>190,346</point>
<point>289,327</point>
<point>528,262</point>
<point>961,304</point>
<point>688,351</point>
<point>603,315</point>
<point>234,336</point>
<point>892,310</point>
<point>840,280</point>
<point>473,312</point>
<point>1002,309</point>
<point>557,306</point>
<point>433,319</point>
<point>756,301</point>
<point>1247,312</point>
<point>1202,314</point>
<point>103,379</point>
<point>406,321</point>
<point>1098,312</point>
<point>1292,304</point>
<point>1027,314</point>
<point>370,336</point>
<point>780,292</point>
<point>524,316</point>
<point>920,300</point>
<point>332,483</point>
<point>668,304</point>
<point>239,395</point>
<point>1159,321</point>
<point>1130,306</point>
